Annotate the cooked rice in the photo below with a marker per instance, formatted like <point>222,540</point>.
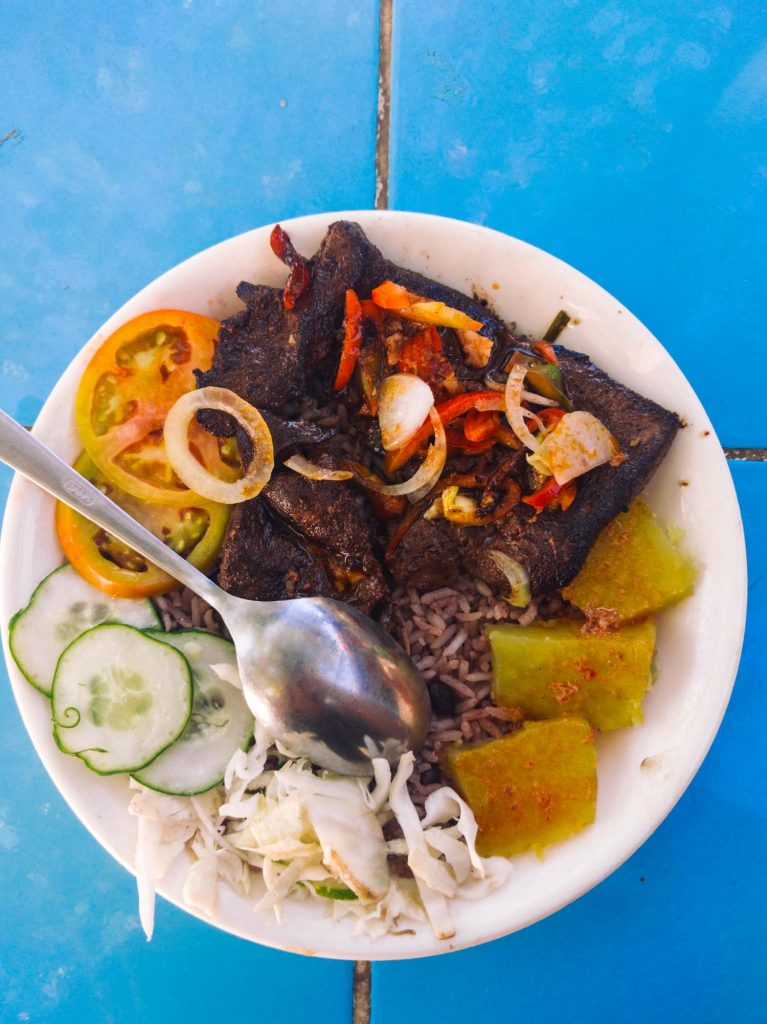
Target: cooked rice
<point>443,631</point>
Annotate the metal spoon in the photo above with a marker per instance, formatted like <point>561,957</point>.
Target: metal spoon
<point>319,675</point>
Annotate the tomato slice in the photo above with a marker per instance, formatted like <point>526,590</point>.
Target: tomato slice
<point>195,531</point>
<point>131,382</point>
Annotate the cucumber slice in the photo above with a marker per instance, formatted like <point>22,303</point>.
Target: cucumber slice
<point>220,723</point>
<point>119,698</point>
<point>62,607</point>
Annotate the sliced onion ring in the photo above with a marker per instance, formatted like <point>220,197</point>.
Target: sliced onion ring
<point>312,471</point>
<point>195,475</point>
<point>530,396</point>
<point>578,443</point>
<point>428,473</point>
<point>403,405</point>
<point>519,581</point>
<point>515,414</point>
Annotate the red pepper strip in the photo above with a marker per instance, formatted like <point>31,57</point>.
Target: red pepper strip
<point>391,296</point>
<point>546,351</point>
<point>552,493</point>
<point>448,410</point>
<point>545,496</point>
<point>352,340</point>
<point>300,273</point>
<point>457,441</point>
<point>551,416</point>
<point>478,426</point>
<point>424,356</point>
<point>567,497</point>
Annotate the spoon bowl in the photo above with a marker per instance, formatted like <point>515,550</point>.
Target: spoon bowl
<point>324,679</point>
<point>358,697</point>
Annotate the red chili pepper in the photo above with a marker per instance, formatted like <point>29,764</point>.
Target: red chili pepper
<point>448,410</point>
<point>546,351</point>
<point>480,425</point>
<point>457,440</point>
<point>552,493</point>
<point>352,340</point>
<point>300,273</point>
<point>544,496</point>
<point>550,417</point>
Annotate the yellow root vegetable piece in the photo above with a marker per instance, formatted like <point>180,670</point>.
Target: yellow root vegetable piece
<point>530,788</point>
<point>634,569</point>
<point>554,669</point>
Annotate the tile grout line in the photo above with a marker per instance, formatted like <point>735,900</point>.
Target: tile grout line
<point>383,119</point>
<point>746,454</point>
<point>362,976</point>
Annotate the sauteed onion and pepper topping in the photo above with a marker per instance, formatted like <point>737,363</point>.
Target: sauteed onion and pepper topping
<point>561,444</point>
<point>145,439</point>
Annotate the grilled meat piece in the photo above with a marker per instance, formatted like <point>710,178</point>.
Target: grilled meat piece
<point>258,356</point>
<point>427,556</point>
<point>314,530</point>
<point>346,259</point>
<point>553,545</point>
<point>327,516</point>
<point>262,560</point>
<point>269,355</point>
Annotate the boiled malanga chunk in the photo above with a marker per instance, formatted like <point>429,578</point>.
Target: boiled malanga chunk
<point>530,788</point>
<point>634,569</point>
<point>555,669</point>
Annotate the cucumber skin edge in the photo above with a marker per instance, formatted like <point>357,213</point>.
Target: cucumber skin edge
<point>17,615</point>
<point>197,792</point>
<point>135,774</point>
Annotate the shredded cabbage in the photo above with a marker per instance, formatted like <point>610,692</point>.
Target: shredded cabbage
<point>291,832</point>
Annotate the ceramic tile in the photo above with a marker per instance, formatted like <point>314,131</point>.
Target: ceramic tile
<point>627,139</point>
<point>674,935</point>
<point>136,135</point>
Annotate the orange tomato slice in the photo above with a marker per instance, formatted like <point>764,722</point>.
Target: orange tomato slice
<point>195,531</point>
<point>131,382</point>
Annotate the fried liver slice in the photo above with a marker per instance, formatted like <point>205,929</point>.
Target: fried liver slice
<point>552,546</point>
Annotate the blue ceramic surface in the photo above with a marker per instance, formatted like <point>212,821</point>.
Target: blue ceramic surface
<point>629,139</point>
<point>137,134</point>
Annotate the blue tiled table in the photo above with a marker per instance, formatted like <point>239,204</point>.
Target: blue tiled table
<point>629,139</point>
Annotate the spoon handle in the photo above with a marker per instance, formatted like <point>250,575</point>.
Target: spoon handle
<point>34,460</point>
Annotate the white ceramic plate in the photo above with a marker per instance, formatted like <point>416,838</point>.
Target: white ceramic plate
<point>642,772</point>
